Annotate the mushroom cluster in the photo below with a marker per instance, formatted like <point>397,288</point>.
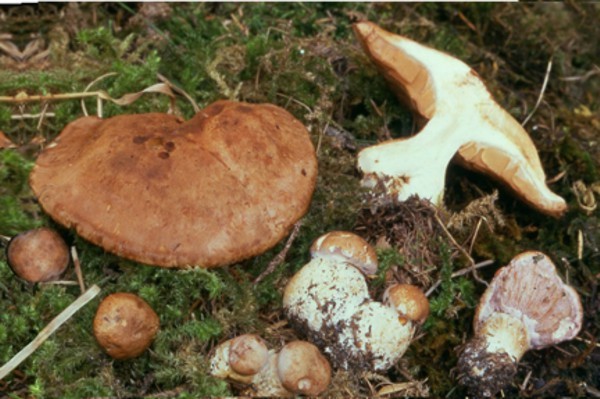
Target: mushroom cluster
<point>297,369</point>
<point>526,306</point>
<point>462,120</point>
<point>224,186</point>
<point>329,300</point>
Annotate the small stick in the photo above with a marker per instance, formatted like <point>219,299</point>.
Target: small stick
<point>461,249</point>
<point>49,330</point>
<point>278,260</point>
<point>33,116</point>
<point>78,272</point>
<point>541,96</point>
<point>460,272</point>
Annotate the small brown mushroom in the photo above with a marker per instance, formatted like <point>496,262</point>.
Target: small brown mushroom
<point>526,306</point>
<point>461,119</point>
<point>125,325</point>
<point>298,369</point>
<point>408,300</point>
<point>224,186</point>
<point>38,255</point>
<point>347,247</point>
<point>303,369</point>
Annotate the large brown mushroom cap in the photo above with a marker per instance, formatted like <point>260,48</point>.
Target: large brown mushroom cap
<point>125,325</point>
<point>224,186</point>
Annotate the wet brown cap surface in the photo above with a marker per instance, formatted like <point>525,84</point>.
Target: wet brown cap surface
<point>125,325</point>
<point>224,186</point>
<point>38,255</point>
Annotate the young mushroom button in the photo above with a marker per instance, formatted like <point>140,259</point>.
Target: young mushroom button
<point>462,118</point>
<point>125,325</point>
<point>526,306</point>
<point>299,368</point>
<point>224,186</point>
<point>38,255</point>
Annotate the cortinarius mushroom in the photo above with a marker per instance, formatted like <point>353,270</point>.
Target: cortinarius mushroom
<point>224,186</point>
<point>526,306</point>
<point>38,255</point>
<point>125,325</point>
<point>298,369</point>
<point>329,300</point>
<point>463,119</point>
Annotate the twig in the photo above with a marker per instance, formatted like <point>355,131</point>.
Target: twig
<point>278,260</point>
<point>33,116</point>
<point>460,272</point>
<point>461,249</point>
<point>49,330</point>
<point>541,96</point>
<point>78,272</point>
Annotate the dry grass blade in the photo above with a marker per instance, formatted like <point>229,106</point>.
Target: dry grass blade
<point>278,260</point>
<point>49,330</point>
<point>541,96</point>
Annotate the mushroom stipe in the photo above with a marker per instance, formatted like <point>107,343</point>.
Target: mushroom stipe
<point>224,186</point>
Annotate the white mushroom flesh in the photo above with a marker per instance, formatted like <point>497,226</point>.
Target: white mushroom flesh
<point>324,291</point>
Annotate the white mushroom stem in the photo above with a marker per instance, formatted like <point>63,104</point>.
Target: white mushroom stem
<point>505,333</point>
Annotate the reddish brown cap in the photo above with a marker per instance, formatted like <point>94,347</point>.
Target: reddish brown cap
<point>248,354</point>
<point>125,325</point>
<point>408,300</point>
<point>303,369</point>
<point>38,255</point>
<point>224,186</point>
<point>530,289</point>
<point>347,247</point>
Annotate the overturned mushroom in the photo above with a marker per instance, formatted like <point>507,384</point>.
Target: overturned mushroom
<point>224,186</point>
<point>38,255</point>
<point>297,369</point>
<point>463,119</point>
<point>526,306</point>
<point>329,300</point>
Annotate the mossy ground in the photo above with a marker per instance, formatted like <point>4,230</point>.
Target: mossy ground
<point>304,57</point>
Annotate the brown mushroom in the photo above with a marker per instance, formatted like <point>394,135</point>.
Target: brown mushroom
<point>224,186</point>
<point>38,255</point>
<point>298,369</point>
<point>303,369</point>
<point>125,325</point>
<point>408,300</point>
<point>462,119</point>
<point>526,306</point>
